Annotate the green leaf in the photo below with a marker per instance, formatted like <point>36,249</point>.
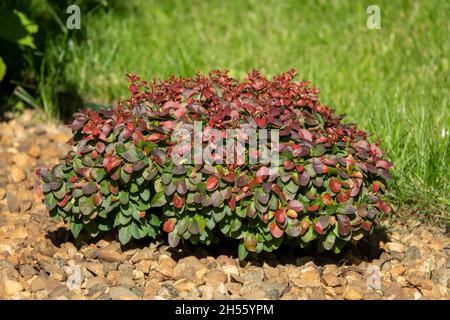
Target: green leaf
<point>328,243</point>
<point>193,226</point>
<point>138,230</point>
<point>309,235</point>
<point>154,220</point>
<point>158,200</point>
<point>120,148</point>
<point>124,234</point>
<point>75,228</point>
<point>98,174</point>
<point>142,205</point>
<point>86,205</point>
<point>151,232</point>
<point>201,222</point>
<point>124,197</point>
<point>145,194</point>
<point>173,239</point>
<point>124,177</point>
<point>61,193</point>
<point>218,216</point>
<point>242,251</point>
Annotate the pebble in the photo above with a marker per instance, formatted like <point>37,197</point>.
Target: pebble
<point>216,276</point>
<point>395,246</point>
<point>34,150</point>
<point>331,280</point>
<point>252,274</point>
<point>39,283</point>
<point>120,293</point>
<point>307,278</point>
<point>189,268</point>
<point>16,174</point>
<point>352,293</point>
<point>108,254</point>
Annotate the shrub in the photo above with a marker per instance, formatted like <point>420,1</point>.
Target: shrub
<point>122,173</point>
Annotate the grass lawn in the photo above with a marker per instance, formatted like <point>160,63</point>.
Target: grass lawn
<point>392,81</point>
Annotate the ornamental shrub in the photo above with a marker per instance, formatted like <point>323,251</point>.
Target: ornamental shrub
<point>132,171</point>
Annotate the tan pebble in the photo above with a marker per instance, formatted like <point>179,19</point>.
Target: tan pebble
<point>395,246</point>
<point>16,174</point>
<point>216,276</point>
<point>352,293</point>
<point>12,287</point>
<point>22,160</point>
<point>330,280</point>
<point>307,278</point>
<point>397,270</point>
<point>34,150</point>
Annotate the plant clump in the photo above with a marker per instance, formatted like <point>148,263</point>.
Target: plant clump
<point>326,189</point>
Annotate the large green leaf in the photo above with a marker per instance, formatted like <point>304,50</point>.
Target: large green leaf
<point>86,205</point>
<point>125,234</point>
<point>158,200</point>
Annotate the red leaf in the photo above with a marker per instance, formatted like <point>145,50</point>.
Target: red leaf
<point>318,228</point>
<point>100,147</point>
<point>288,165</point>
<point>112,189</point>
<point>326,199</point>
<point>375,186</point>
<point>280,215</point>
<point>137,137</point>
<point>128,168</point>
<point>97,199</point>
<point>73,179</point>
<point>305,225</point>
<point>211,183</point>
<point>305,134</point>
<point>261,123</point>
<point>232,202</point>
<point>335,185</point>
<point>177,201</point>
<point>366,225</point>
<point>383,206</point>
<point>343,196</point>
<point>383,164</point>
<point>155,137</point>
<point>128,131</point>
<point>110,162</point>
<point>169,225</point>
<point>94,154</point>
<point>134,89</point>
<point>275,230</point>
<point>314,207</point>
<point>229,177</point>
<point>300,168</point>
<point>64,201</point>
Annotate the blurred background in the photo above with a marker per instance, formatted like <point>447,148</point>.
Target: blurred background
<point>392,81</point>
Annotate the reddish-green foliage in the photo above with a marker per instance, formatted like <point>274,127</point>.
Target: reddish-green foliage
<point>327,188</point>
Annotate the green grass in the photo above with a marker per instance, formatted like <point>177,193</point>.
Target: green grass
<point>392,82</point>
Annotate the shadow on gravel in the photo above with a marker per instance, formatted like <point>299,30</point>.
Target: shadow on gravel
<point>367,249</point>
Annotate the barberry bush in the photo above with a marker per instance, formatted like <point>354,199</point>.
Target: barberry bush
<point>326,189</point>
